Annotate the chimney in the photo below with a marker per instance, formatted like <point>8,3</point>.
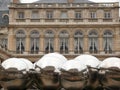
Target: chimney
<point>70,1</point>
<point>15,1</point>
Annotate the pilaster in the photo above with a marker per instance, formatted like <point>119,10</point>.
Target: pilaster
<point>27,44</point>
<point>56,43</point>
<point>41,44</point>
<point>11,40</point>
<point>85,41</point>
<point>116,41</point>
<point>71,45</point>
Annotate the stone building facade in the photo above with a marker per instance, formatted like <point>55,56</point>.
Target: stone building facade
<point>70,27</point>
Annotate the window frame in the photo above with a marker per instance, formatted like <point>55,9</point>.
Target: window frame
<point>49,14</point>
<point>93,14</point>
<point>93,42</point>
<point>21,15</point>
<point>78,42</point>
<point>20,41</point>
<point>78,15</point>
<point>64,42</point>
<point>34,42</point>
<point>107,15</point>
<point>108,40</point>
<point>35,14</point>
<point>64,15</point>
<point>49,41</point>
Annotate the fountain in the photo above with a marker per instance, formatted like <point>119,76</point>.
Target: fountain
<point>73,75</point>
<point>109,73</point>
<point>14,74</point>
<point>54,72</point>
<point>49,69</point>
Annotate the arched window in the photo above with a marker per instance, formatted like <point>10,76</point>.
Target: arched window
<point>20,41</point>
<point>49,42</point>
<point>34,47</point>
<point>3,43</point>
<point>63,42</point>
<point>107,44</point>
<point>93,42</point>
<point>6,19</point>
<point>78,42</point>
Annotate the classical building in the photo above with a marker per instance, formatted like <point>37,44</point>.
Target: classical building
<point>70,27</point>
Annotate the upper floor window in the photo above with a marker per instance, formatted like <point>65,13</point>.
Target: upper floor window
<point>63,14</point>
<point>21,15</point>
<point>107,14</point>
<point>49,14</point>
<point>35,15</point>
<point>78,15</point>
<point>92,15</point>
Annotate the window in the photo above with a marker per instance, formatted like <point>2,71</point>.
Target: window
<point>3,43</point>
<point>63,42</point>
<point>5,19</point>
<point>49,42</point>
<point>78,15</point>
<point>34,42</point>
<point>63,15</point>
<point>49,15</point>
<point>21,15</point>
<point>20,41</point>
<point>107,41</point>
<point>93,42</point>
<point>92,15</point>
<point>78,42</point>
<point>35,15</point>
<point>107,14</point>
